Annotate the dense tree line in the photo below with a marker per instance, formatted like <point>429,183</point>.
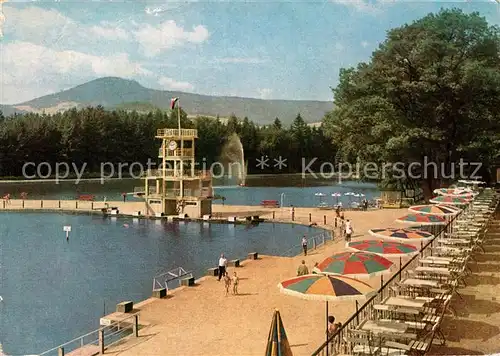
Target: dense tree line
<point>430,91</point>
<point>95,135</point>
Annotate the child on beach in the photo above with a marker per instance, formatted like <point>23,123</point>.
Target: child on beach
<point>236,281</point>
<point>227,282</point>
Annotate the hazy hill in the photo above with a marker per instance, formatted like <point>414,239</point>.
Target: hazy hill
<point>112,92</point>
<point>8,110</point>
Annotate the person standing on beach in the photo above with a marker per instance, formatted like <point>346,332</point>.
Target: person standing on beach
<point>342,225</point>
<point>222,266</point>
<point>227,282</point>
<point>236,281</point>
<point>304,245</point>
<point>302,270</point>
<point>348,231</point>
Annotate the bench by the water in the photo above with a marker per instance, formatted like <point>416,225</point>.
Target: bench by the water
<point>270,204</point>
<point>86,197</point>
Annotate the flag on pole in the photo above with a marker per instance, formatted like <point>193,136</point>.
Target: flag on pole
<point>173,101</point>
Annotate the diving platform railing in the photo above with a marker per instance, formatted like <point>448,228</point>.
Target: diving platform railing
<point>173,133</point>
<point>177,153</point>
<point>171,173</point>
<point>96,342</point>
<point>173,193</point>
<point>177,274</point>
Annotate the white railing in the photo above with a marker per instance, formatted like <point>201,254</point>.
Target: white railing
<point>176,133</point>
<point>198,173</point>
<point>313,242</point>
<point>177,274</point>
<point>99,339</point>
<point>178,152</point>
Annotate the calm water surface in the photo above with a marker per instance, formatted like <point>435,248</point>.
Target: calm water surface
<point>55,290</point>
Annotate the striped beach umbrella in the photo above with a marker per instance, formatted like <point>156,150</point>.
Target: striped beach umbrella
<point>433,210</point>
<point>326,287</point>
<point>452,191</point>
<point>449,200</point>
<point>277,342</point>
<point>383,247</point>
<point>401,234</point>
<point>354,264</point>
<point>421,219</point>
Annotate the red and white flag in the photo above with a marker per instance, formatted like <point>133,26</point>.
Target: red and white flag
<point>173,101</point>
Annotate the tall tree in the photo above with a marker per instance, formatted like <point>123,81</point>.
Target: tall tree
<point>430,92</point>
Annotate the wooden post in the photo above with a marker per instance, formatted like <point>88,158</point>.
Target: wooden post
<point>310,217</point>
<point>324,219</point>
<point>400,266</point>
<point>135,327</point>
<point>273,214</point>
<point>59,204</point>
<point>293,215</point>
<point>92,206</point>
<point>23,203</point>
<point>76,204</point>
<point>335,222</point>
<point>60,351</point>
<point>101,341</point>
<point>357,313</point>
<point>41,203</point>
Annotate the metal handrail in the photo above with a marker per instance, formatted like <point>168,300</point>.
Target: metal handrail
<point>170,276</point>
<point>178,152</point>
<point>321,237</point>
<point>95,341</point>
<point>172,173</point>
<point>176,133</point>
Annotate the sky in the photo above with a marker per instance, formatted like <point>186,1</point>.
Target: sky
<point>261,49</point>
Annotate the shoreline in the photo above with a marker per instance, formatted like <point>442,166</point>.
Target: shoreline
<point>314,175</point>
<point>259,279</point>
<point>156,313</point>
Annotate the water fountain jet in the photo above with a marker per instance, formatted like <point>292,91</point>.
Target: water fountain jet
<point>234,155</point>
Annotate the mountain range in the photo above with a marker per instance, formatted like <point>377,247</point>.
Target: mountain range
<point>118,93</point>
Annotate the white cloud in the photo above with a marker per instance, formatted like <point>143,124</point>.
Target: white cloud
<point>109,32</point>
<point>370,6</point>
<point>244,60</point>
<point>265,93</point>
<point>167,35</point>
<point>30,66</point>
<point>171,84</point>
<point>51,28</point>
<point>339,47</point>
<point>364,44</point>
<point>36,24</point>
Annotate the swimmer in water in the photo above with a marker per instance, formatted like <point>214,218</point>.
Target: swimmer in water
<point>125,225</point>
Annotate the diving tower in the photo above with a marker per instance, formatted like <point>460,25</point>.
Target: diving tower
<point>177,187</point>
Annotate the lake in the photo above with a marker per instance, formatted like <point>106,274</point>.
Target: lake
<point>292,188</point>
<point>54,290</point>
